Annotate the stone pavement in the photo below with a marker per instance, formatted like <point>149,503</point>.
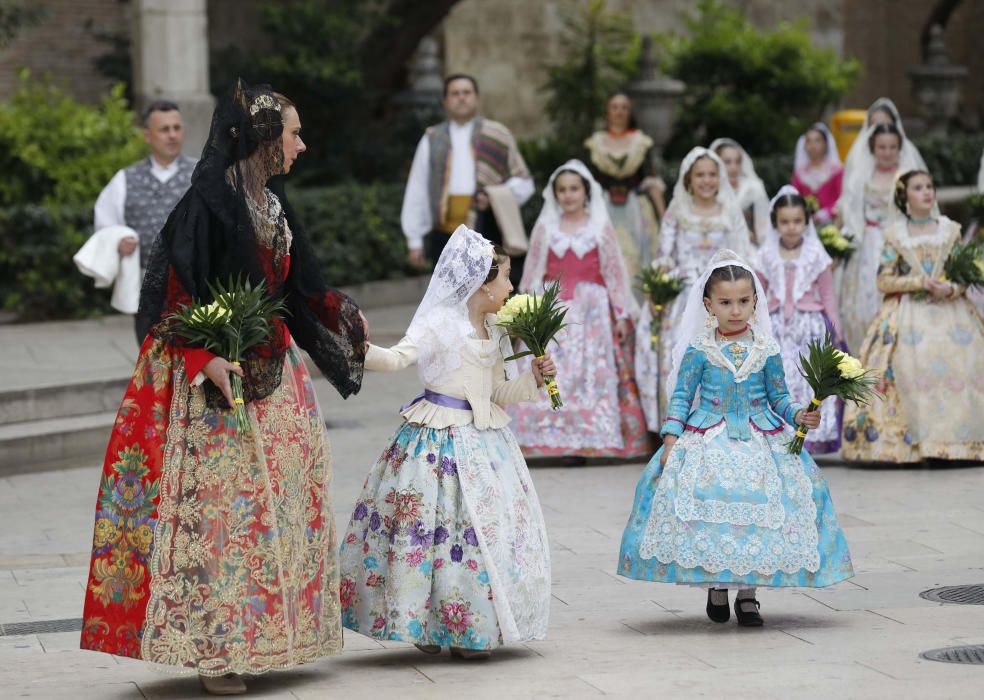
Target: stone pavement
<point>908,529</point>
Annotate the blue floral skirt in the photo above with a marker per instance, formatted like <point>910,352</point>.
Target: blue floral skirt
<point>447,543</point>
<point>734,513</point>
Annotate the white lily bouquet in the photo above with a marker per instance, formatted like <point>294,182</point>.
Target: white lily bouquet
<point>240,318</point>
<point>535,320</point>
<point>832,372</point>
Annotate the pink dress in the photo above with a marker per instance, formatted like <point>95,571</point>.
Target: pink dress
<point>823,183</point>
<point>602,413</point>
<point>804,314</point>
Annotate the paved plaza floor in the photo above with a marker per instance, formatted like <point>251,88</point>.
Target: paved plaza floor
<point>909,530</point>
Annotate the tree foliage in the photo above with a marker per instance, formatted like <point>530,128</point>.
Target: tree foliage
<point>760,87</point>
<point>599,54</point>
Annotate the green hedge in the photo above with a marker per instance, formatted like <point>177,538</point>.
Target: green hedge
<point>354,230</point>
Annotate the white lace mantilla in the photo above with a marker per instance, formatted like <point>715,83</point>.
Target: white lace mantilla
<point>761,349</point>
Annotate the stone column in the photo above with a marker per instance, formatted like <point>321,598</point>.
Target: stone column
<point>170,61</point>
<point>654,98</point>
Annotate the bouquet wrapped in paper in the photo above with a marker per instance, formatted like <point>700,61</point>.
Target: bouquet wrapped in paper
<point>535,320</point>
<point>660,288</point>
<point>831,372</point>
<point>240,318</point>
<point>838,245</point>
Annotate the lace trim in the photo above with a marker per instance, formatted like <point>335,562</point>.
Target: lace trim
<point>785,537</point>
<point>946,233</point>
<point>619,163</point>
<point>582,242</point>
<point>762,348</point>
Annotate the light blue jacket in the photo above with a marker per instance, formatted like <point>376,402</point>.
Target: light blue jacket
<point>760,400</point>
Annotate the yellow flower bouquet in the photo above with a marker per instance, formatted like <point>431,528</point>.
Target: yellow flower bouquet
<point>838,245</point>
<point>832,372</point>
<point>660,288</point>
<point>535,320</point>
<point>240,317</point>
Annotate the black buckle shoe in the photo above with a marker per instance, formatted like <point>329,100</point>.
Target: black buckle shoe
<point>748,619</point>
<point>717,613</point>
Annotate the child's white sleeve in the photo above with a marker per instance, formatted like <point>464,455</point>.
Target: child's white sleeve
<point>393,359</point>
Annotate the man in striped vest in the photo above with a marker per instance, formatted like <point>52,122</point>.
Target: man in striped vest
<point>454,163</point>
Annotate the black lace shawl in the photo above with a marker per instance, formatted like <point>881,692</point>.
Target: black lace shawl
<point>212,236</point>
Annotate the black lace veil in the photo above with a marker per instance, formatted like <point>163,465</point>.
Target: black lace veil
<point>227,225</point>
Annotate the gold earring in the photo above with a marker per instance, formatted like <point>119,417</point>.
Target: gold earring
<point>707,321</point>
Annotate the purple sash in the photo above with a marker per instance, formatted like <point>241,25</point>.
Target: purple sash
<point>439,400</point>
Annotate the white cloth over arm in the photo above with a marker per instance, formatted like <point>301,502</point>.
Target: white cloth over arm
<point>109,205</point>
<point>100,259</point>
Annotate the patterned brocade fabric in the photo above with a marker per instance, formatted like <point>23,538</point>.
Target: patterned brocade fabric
<point>214,553</point>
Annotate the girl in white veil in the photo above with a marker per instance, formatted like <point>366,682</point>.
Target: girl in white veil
<point>703,217</point>
<point>866,209</point>
<point>748,186</point>
<point>795,269</point>
<point>817,171</point>
<point>573,241</point>
<point>447,546</point>
<point>723,505</point>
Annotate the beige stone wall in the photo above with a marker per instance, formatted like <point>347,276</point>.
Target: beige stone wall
<point>504,43</point>
<point>884,35</point>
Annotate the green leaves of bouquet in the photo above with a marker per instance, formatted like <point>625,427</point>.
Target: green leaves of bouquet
<point>240,318</point>
<point>965,264</point>
<point>535,320</point>
<point>660,288</point>
<point>831,372</point>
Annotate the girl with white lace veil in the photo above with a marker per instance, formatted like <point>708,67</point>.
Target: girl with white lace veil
<point>447,546</point>
<point>926,344</point>
<point>795,270</point>
<point>747,185</point>
<point>866,209</point>
<point>817,171</point>
<point>703,217</point>
<point>723,504</point>
<point>574,242</point>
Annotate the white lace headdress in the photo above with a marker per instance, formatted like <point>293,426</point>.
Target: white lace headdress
<point>813,258</point>
<point>694,320</point>
<point>440,326</point>
<point>747,165</point>
<point>860,166</point>
<point>737,227</point>
<point>549,220</point>
<point>802,159</point>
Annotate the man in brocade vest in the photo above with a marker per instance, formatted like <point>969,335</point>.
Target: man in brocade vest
<point>455,162</point>
<point>141,196</point>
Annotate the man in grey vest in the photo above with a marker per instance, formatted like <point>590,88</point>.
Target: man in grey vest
<point>142,195</point>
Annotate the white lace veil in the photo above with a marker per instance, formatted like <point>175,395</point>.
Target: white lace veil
<point>440,326</point>
<point>812,261</point>
<point>730,208</point>
<point>802,159</point>
<point>535,266</point>
<point>860,166</point>
<point>747,165</point>
<point>694,320</point>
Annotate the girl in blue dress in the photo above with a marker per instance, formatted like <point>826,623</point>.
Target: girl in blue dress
<point>722,505</point>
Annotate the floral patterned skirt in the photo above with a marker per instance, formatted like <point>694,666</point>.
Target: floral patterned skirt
<point>602,414</point>
<point>447,544</point>
<point>930,364</point>
<point>734,513</point>
<point>214,552</point>
<point>794,336</point>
